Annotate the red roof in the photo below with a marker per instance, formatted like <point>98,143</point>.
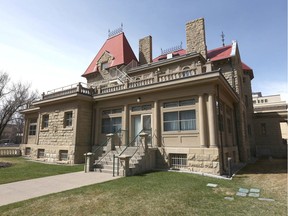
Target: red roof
<point>248,69</point>
<point>245,67</point>
<point>118,47</point>
<point>219,53</point>
<point>176,53</point>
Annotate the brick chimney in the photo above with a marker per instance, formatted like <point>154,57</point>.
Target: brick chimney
<point>195,37</point>
<point>145,50</point>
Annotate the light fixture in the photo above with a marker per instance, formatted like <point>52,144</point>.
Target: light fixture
<point>138,100</point>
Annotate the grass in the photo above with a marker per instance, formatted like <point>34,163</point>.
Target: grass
<point>167,193</point>
<point>23,169</point>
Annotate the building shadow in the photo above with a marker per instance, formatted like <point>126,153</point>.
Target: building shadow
<point>265,166</point>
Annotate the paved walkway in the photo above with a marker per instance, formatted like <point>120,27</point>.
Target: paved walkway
<point>23,190</point>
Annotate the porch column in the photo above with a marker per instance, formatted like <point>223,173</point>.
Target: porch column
<point>125,126</point>
<point>97,126</point>
<point>156,121</point>
<point>202,122</point>
<point>212,120</point>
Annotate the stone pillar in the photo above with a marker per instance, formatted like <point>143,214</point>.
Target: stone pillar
<point>145,50</point>
<point>202,122</point>
<point>125,126</point>
<point>110,141</point>
<point>156,126</point>
<point>88,162</point>
<point>143,140</point>
<point>195,37</point>
<point>124,159</point>
<point>212,121</point>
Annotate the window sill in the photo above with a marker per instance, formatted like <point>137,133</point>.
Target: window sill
<point>44,130</point>
<point>68,128</point>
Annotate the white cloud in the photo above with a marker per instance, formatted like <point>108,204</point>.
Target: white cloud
<point>43,73</point>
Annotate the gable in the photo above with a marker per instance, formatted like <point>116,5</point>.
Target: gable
<point>118,47</point>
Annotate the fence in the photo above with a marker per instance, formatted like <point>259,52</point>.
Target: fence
<point>10,151</point>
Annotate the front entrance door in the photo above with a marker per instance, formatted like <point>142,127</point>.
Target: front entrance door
<point>142,122</point>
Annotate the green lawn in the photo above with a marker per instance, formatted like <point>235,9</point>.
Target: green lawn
<point>23,169</point>
<point>164,193</point>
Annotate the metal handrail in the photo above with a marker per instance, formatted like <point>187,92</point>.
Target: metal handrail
<point>129,144</point>
<point>102,145</point>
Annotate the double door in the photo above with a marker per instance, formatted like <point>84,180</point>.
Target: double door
<point>141,123</point>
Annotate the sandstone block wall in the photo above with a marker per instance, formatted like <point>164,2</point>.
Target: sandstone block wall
<point>195,37</point>
<point>145,50</point>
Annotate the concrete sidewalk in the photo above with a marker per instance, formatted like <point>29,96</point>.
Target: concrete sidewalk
<point>23,190</point>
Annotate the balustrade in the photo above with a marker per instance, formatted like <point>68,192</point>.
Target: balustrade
<point>129,83</point>
<point>10,152</point>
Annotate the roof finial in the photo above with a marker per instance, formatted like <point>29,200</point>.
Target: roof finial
<point>223,36</point>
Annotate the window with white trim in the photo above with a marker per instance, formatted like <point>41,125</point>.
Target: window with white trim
<point>111,121</point>
<point>32,127</point>
<point>179,115</point>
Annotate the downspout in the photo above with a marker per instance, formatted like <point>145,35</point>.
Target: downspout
<point>221,138</point>
<point>236,130</point>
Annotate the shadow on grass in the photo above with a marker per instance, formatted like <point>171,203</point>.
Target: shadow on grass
<point>265,166</point>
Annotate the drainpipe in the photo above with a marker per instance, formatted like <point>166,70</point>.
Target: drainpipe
<point>221,138</point>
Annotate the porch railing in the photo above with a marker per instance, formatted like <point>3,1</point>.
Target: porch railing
<point>127,83</point>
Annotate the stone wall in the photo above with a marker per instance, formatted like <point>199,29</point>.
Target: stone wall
<point>145,50</point>
<point>195,37</point>
<point>204,160</point>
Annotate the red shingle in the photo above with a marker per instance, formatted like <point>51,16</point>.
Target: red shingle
<point>119,48</point>
<point>219,53</point>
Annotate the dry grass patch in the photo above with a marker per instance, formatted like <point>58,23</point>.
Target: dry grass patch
<point>159,193</point>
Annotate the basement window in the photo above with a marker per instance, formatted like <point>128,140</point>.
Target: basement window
<point>178,161</point>
<point>63,155</point>
<point>40,153</point>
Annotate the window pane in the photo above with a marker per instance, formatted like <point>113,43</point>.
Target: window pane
<point>171,126</point>
<point>187,102</point>
<point>106,126</point>
<point>170,116</point>
<point>171,104</point>
<point>187,120</point>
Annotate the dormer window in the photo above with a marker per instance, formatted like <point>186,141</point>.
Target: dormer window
<point>104,65</point>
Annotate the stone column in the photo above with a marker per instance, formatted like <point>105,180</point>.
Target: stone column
<point>124,159</point>
<point>202,127</point>
<point>156,126</point>
<point>110,141</point>
<point>125,126</point>
<point>88,162</point>
<point>143,139</point>
<point>212,121</point>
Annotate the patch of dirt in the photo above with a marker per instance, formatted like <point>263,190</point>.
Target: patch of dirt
<point>268,175</point>
<point>5,164</point>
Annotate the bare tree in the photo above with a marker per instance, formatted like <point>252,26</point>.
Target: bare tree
<point>13,97</point>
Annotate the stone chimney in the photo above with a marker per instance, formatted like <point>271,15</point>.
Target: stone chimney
<point>195,37</point>
<point>145,50</point>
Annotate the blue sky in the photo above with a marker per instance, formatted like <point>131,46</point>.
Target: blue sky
<point>50,43</point>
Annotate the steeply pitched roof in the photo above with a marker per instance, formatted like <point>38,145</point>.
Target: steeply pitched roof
<point>219,53</point>
<point>248,70</point>
<point>118,47</point>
